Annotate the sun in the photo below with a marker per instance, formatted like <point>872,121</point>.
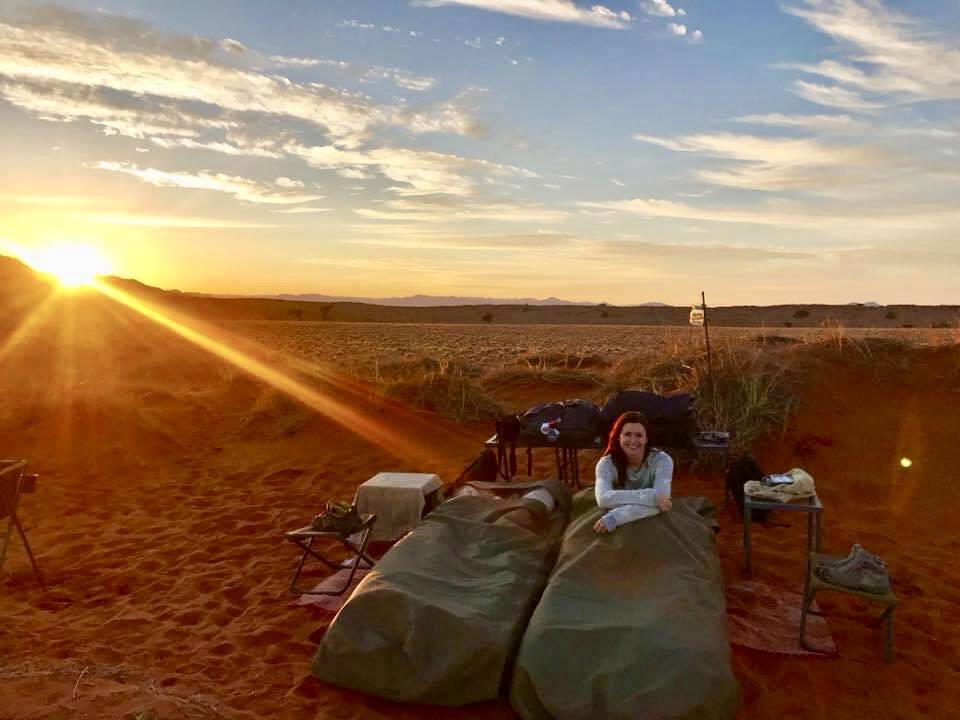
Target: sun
<point>73,265</point>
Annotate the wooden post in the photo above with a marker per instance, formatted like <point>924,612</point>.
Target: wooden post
<point>706,335</point>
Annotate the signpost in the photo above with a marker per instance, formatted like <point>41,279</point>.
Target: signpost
<point>698,318</point>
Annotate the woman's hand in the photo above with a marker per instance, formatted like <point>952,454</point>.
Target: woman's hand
<point>664,503</point>
<point>600,528</point>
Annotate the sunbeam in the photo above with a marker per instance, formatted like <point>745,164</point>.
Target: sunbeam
<point>382,434</point>
<point>37,315</point>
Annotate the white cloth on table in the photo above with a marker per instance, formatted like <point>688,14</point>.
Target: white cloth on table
<point>397,499</point>
<point>802,486</point>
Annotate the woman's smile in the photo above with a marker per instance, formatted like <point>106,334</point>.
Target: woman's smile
<point>633,440</point>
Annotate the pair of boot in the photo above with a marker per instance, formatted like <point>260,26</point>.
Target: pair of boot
<point>339,517</point>
<point>859,570</point>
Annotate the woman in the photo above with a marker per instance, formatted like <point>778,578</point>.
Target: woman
<point>633,479</point>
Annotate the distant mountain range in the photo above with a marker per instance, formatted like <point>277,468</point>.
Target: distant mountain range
<point>423,300</point>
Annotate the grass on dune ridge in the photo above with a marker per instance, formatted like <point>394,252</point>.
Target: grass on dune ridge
<point>751,391</point>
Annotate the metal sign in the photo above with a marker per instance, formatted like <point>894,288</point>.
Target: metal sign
<point>696,315</point>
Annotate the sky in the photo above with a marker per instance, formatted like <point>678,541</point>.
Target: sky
<point>637,151</point>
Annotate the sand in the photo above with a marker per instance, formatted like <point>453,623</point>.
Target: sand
<point>168,477</point>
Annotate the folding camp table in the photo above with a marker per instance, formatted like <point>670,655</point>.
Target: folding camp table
<point>565,456</point>
<point>565,453</point>
<point>305,537</point>
<point>15,481</point>
<point>811,505</point>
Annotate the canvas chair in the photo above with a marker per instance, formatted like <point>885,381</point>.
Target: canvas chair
<point>14,481</point>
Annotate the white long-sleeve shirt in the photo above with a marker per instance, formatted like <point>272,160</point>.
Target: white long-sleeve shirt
<point>643,485</point>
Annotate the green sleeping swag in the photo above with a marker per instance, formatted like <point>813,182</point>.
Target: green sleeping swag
<point>441,615</point>
<point>631,624</point>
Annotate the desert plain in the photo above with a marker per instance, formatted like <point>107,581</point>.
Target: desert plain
<point>175,445</point>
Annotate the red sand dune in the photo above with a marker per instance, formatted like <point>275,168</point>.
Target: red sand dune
<point>168,478</point>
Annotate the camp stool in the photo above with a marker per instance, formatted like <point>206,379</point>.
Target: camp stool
<point>815,583</point>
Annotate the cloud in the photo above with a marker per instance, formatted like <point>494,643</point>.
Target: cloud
<point>452,116</point>
<point>545,10</point>
<point>842,124</point>
<point>115,114</point>
<point>132,80</point>
<point>241,188</point>
<point>893,60</point>
<point>808,217</point>
<point>367,73</point>
<point>696,252</point>
<point>677,29</point>
<point>234,46</point>
<point>409,238</point>
<point>301,210</point>
<point>458,210</point>
<point>358,25</point>
<point>66,200</point>
<point>659,8</point>
<point>778,163</point>
<point>248,150</point>
<point>418,172</point>
<point>696,36</point>
<point>71,64</point>
<point>833,96</point>
<point>179,221</point>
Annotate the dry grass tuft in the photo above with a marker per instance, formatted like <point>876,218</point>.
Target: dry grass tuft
<point>446,387</point>
<point>565,361</point>
<point>749,393</point>
<point>551,376</point>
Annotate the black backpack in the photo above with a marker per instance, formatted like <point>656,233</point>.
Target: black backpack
<point>671,417</point>
<point>577,422</point>
<point>482,469</point>
<point>742,470</point>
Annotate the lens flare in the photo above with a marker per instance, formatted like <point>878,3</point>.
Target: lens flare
<point>72,265</point>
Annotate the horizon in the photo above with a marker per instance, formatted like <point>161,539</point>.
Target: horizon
<point>804,152</point>
<point>95,282</point>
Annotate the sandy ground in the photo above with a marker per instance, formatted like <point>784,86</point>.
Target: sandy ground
<point>168,477</point>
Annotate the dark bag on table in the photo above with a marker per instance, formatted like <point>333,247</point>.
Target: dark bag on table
<point>671,417</point>
<point>482,469</point>
<point>577,422</point>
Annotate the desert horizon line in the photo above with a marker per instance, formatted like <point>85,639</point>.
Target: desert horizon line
<point>451,301</point>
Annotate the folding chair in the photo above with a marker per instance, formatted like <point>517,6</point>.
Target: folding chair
<point>14,480</point>
<point>305,537</point>
<point>815,583</point>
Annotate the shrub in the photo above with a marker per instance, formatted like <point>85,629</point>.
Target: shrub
<point>891,315</point>
<point>799,314</point>
<point>487,317</point>
<point>446,387</point>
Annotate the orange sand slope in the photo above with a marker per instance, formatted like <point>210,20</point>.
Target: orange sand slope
<point>168,476</point>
